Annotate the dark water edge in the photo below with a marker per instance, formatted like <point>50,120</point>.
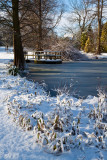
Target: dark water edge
<point>79,78</point>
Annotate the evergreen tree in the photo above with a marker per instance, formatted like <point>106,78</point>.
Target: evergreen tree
<point>83,39</point>
<point>90,31</point>
<point>104,38</point>
<point>88,45</point>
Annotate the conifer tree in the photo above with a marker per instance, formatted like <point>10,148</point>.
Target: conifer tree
<point>88,46</point>
<point>104,38</point>
<point>83,39</point>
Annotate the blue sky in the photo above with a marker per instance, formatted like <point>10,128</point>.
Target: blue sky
<point>66,1</point>
<point>64,20</point>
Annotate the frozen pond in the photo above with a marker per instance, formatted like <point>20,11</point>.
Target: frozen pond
<point>81,78</point>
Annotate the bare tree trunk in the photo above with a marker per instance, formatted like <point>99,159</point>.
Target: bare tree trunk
<point>40,27</point>
<point>100,8</point>
<point>17,43</point>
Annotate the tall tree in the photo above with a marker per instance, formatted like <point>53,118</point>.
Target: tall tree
<point>81,14</point>
<point>40,19</point>
<point>104,38</point>
<point>18,49</point>
<point>80,17</point>
<point>99,15</point>
<point>101,7</point>
<point>10,18</point>
<point>40,26</point>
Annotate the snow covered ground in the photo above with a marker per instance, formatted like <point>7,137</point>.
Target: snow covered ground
<point>92,56</point>
<point>34,126</point>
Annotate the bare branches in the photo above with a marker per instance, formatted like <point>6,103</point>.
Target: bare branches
<point>82,13</point>
<point>40,17</point>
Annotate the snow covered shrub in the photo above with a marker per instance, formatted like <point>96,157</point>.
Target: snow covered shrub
<point>13,70</point>
<point>99,115</point>
<point>14,108</point>
<point>58,130</point>
<point>24,122</point>
<point>68,50</point>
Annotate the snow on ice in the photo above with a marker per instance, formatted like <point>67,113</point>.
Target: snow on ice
<point>35,126</point>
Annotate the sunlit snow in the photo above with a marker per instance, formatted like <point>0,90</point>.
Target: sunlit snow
<point>35,126</point>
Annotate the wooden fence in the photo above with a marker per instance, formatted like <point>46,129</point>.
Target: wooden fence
<point>46,55</point>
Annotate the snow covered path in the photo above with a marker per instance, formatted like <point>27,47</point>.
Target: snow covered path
<point>14,142</point>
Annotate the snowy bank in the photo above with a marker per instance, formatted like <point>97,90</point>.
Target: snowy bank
<point>34,124</point>
<point>93,56</point>
<point>69,53</point>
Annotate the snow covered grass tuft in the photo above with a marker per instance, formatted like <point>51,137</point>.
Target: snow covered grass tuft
<point>13,70</point>
<point>99,115</point>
